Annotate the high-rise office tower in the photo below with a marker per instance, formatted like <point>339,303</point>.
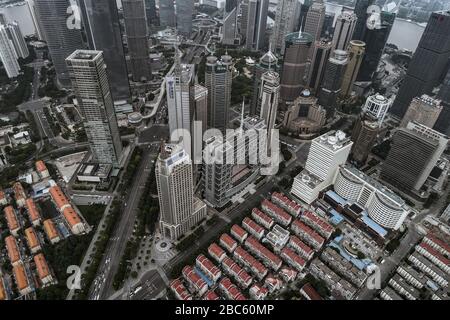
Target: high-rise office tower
<point>90,83</point>
<point>36,21</point>
<point>364,136</point>
<point>414,152</point>
<point>230,5</point>
<point>180,210</point>
<point>294,75</point>
<point>256,24</point>
<point>218,78</point>
<point>150,12</point>
<point>136,31</point>
<point>180,102</point>
<point>375,40</point>
<point>185,10</point>
<point>361,24</point>
<point>326,154</point>
<point>319,61</point>
<point>229,27</point>
<point>268,96</point>
<point>314,19</point>
<point>102,27</point>
<point>8,54</point>
<point>201,106</point>
<point>266,63</point>
<point>167,13</point>
<point>3,19</point>
<point>356,51</point>
<point>328,26</point>
<point>243,21</point>
<point>377,106</point>
<point>343,32</point>
<point>424,110</point>
<point>332,80</point>
<point>428,63</point>
<point>443,122</point>
<point>61,40</point>
<point>304,8</point>
<point>16,36</point>
<point>286,21</point>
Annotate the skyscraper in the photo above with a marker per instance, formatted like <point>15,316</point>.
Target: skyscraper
<point>428,63</point>
<point>267,62</point>
<point>424,110</point>
<point>375,40</point>
<point>180,210</point>
<point>319,61</point>
<point>8,54</point>
<point>102,27</point>
<point>185,10</point>
<point>356,51</point>
<point>377,106</point>
<point>314,19</point>
<point>362,15</point>
<point>180,102</point>
<point>286,21</point>
<point>90,83</point>
<point>36,21</point>
<point>256,24</point>
<point>167,13</point>
<point>332,80</point>
<point>304,8</point>
<point>364,136</point>
<point>414,152</point>
<point>326,154</point>
<point>268,96</point>
<point>218,78</point>
<point>16,36</point>
<point>150,12</point>
<point>294,75</point>
<point>61,40</point>
<point>243,21</point>
<point>201,106</point>
<point>443,122</point>
<point>343,32</point>
<point>136,31</point>
<point>229,27</point>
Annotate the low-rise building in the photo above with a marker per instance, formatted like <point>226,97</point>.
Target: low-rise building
<point>293,259</point>
<point>51,232</point>
<point>59,198</point>
<point>343,267</point>
<point>41,168</point>
<point>13,250</point>
<point>310,293</point>
<point>180,291</point>
<point>32,240</point>
<point>288,274</point>
<point>228,242</point>
<point>277,238</point>
<point>20,275</point>
<point>279,215</point>
<point>413,277</point>
<point>19,194</point>
<point>258,292</point>
<point>216,252</point>
<point>389,294</point>
<point>262,218</point>
<point>196,283</point>
<point>73,220</point>
<point>268,257</point>
<point>243,279</point>
<point>211,295</point>
<point>287,204</point>
<point>425,265</point>
<point>273,283</point>
<point>307,234</point>
<point>253,228</point>
<point>434,256</point>
<point>43,270</point>
<point>208,268</point>
<point>402,287</point>
<point>249,262</point>
<point>437,244</point>
<point>3,198</point>
<point>33,212</point>
<point>11,220</point>
<point>230,291</point>
<point>314,221</point>
<point>301,248</point>
<point>238,233</point>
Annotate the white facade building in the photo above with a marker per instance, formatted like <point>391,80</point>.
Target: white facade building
<point>327,153</point>
<point>16,36</point>
<point>378,106</point>
<point>8,54</point>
